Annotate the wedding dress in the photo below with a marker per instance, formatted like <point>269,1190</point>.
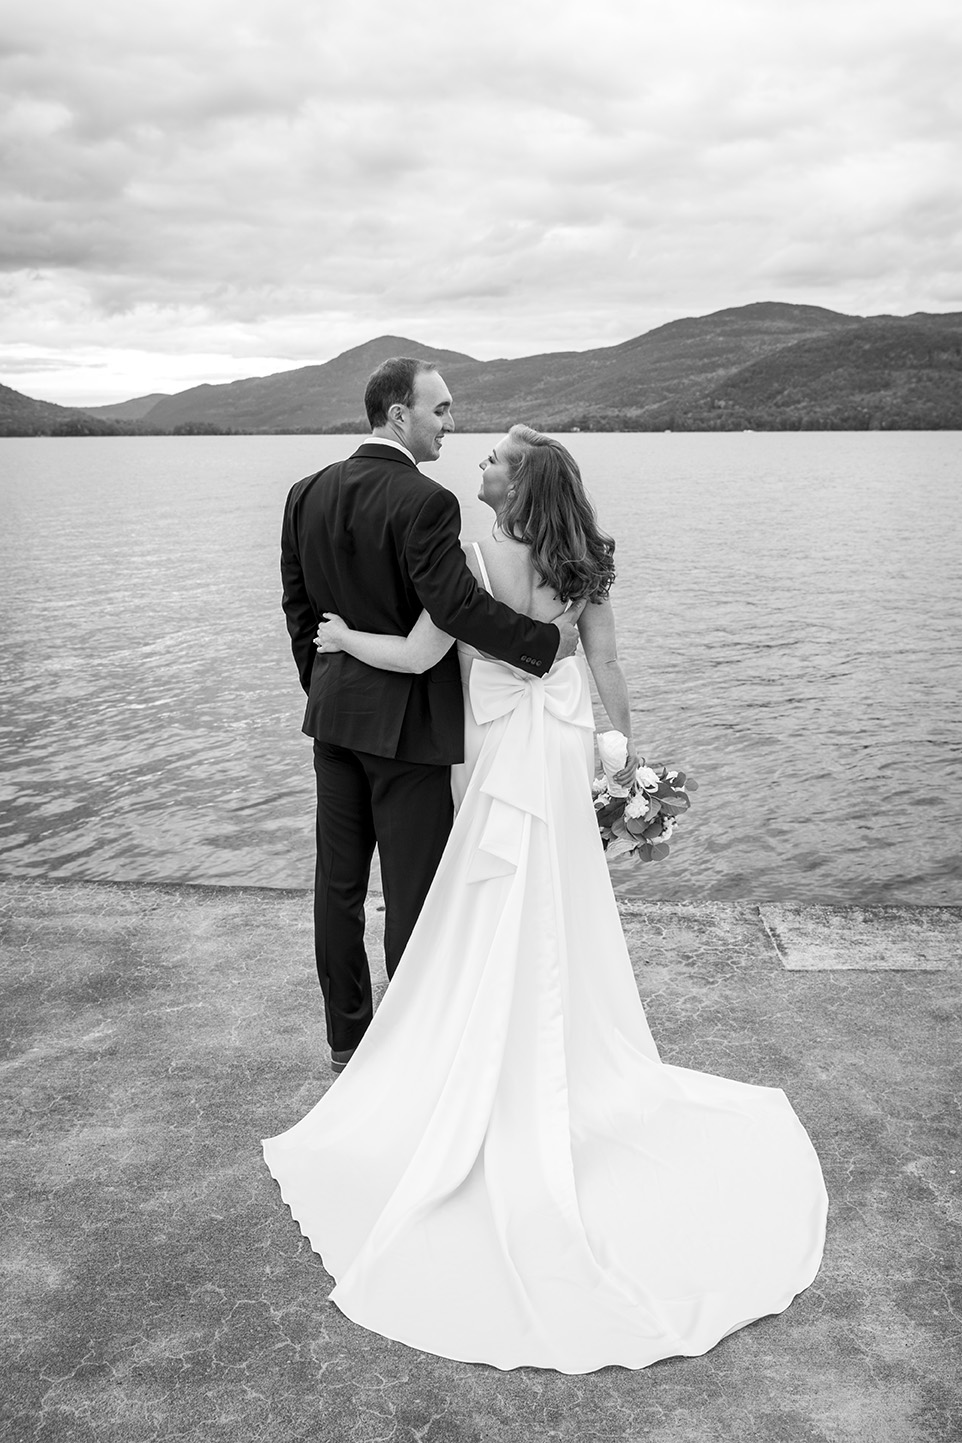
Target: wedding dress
<point>505,1172</point>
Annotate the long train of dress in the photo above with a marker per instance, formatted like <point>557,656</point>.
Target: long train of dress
<point>506,1172</point>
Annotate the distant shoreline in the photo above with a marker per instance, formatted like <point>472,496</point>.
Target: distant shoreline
<point>767,366</point>
<point>492,430</point>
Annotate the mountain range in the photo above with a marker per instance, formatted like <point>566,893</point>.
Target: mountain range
<point>764,366</point>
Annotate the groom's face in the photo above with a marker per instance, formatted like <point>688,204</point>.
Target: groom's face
<point>428,417</point>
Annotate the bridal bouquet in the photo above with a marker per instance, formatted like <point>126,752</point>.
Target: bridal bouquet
<point>637,820</point>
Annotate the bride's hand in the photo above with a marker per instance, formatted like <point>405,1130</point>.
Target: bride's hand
<point>331,633</point>
<point>633,761</point>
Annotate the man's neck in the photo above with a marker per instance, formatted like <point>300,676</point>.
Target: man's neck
<point>385,437</point>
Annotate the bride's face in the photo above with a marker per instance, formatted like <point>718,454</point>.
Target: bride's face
<point>495,477</point>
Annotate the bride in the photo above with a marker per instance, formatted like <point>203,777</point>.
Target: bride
<point>506,1172</point>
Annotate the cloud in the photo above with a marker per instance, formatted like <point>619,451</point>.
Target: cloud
<point>282,180</point>
<point>16,363</point>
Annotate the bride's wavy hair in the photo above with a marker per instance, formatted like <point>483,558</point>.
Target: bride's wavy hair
<point>547,508</point>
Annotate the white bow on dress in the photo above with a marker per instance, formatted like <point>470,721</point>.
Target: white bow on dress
<point>516,788</point>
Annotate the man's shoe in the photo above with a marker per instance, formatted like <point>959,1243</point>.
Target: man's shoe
<point>339,1060</point>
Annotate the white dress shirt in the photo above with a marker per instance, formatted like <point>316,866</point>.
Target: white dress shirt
<point>387,441</point>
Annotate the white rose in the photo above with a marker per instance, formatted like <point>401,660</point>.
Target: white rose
<point>638,806</point>
<point>647,778</point>
<point>668,826</point>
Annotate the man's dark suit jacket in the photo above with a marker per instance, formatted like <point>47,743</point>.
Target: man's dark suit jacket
<point>375,541</point>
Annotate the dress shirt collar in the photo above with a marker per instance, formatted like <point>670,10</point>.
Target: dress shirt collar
<point>389,441</point>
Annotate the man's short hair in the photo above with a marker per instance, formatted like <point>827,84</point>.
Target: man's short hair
<point>392,384</point>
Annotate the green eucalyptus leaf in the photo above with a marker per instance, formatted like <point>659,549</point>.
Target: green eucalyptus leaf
<point>610,814</point>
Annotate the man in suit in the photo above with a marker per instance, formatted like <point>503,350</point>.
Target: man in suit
<point>374,540</point>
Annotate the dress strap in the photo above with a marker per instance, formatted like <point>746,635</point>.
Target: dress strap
<point>484,570</point>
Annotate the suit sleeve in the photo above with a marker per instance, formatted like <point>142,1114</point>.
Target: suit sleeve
<point>458,605</point>
<point>301,621</point>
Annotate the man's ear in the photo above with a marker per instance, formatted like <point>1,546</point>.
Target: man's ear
<point>396,412</point>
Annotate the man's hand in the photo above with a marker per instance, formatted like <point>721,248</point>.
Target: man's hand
<point>567,624</point>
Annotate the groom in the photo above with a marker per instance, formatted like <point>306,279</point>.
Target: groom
<point>375,541</point>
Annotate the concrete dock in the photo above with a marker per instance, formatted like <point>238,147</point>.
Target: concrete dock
<point>157,1289</point>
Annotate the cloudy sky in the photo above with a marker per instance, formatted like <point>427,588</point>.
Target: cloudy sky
<point>198,190</point>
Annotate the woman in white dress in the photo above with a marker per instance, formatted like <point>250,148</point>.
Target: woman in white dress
<point>506,1172</point>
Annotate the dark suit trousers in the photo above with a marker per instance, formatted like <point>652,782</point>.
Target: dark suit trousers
<point>406,808</point>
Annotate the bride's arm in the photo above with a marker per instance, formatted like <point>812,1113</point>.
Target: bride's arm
<point>597,628</point>
<point>420,649</point>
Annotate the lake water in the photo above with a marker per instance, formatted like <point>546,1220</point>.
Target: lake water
<point>790,619</point>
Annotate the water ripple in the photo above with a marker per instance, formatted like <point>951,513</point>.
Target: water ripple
<point>796,645</point>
